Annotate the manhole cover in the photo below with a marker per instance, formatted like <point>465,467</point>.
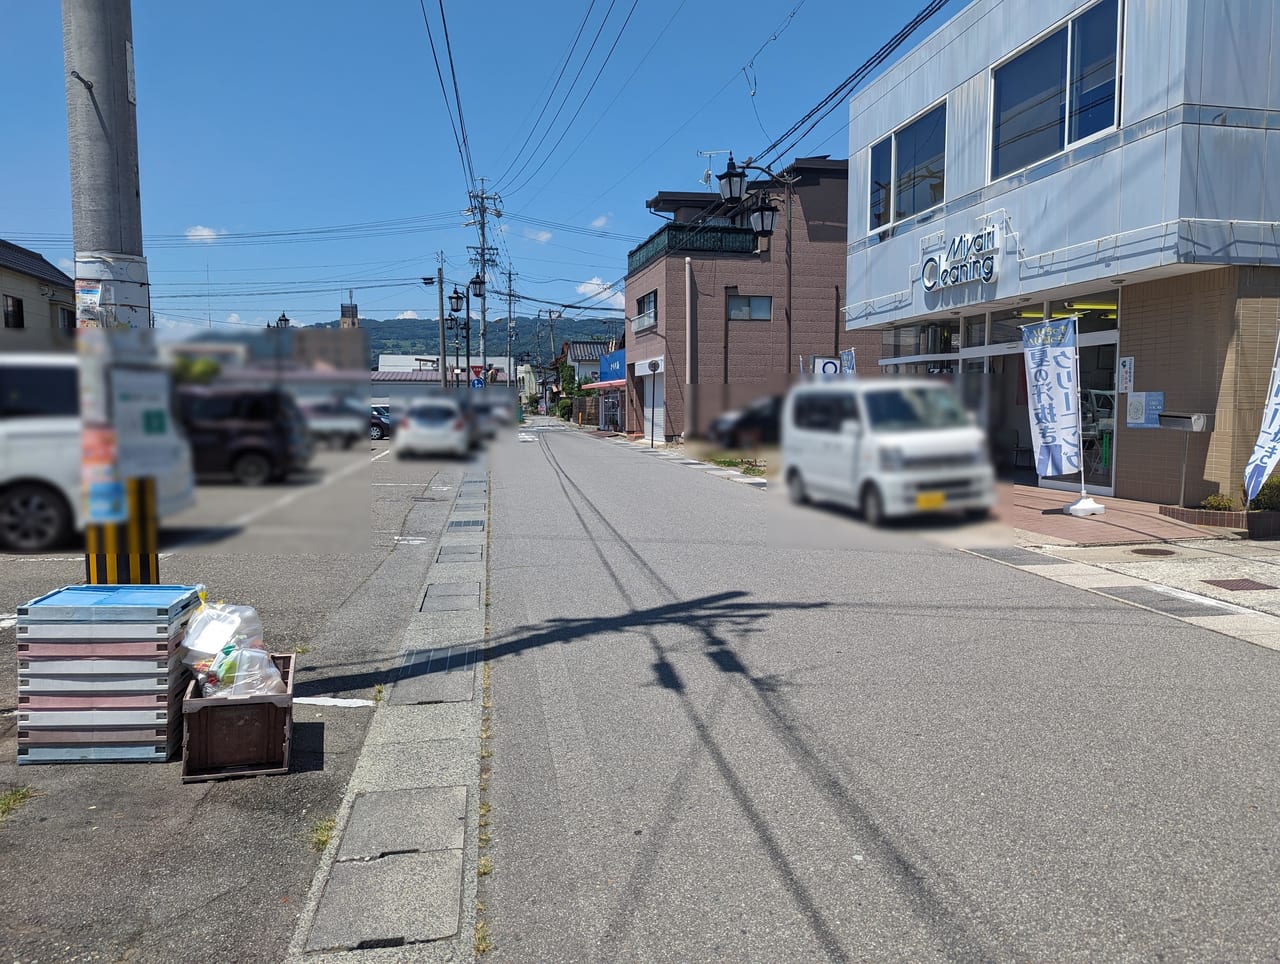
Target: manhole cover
<point>1237,585</point>
<point>1153,552</point>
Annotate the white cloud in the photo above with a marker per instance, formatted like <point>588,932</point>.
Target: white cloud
<point>602,221</point>
<point>233,319</point>
<point>67,265</point>
<point>542,237</point>
<point>595,287</point>
<point>406,315</point>
<point>200,233</point>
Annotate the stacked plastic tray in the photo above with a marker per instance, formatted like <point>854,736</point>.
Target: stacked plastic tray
<point>99,679</point>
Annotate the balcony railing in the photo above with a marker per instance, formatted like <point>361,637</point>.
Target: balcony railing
<point>691,237</point>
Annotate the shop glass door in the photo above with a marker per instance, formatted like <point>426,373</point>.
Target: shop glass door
<point>1098,419</point>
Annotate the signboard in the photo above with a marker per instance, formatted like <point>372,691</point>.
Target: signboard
<point>969,259</point>
<point>1143,409</point>
<point>477,371</point>
<point>1263,461</point>
<point>613,366</point>
<point>1126,375</point>
<point>477,383</point>
<point>1053,395</point>
<point>826,367</point>
<point>848,363</point>
<point>140,416</point>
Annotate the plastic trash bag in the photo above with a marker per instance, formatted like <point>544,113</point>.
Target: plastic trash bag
<point>239,671</point>
<point>224,648</point>
<point>217,625</point>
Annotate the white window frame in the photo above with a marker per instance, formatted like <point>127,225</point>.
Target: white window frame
<point>1069,23</point>
<point>892,137</point>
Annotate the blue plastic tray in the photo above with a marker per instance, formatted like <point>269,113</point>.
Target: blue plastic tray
<point>107,604</point>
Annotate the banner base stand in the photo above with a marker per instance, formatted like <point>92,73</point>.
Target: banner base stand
<point>1085,506</point>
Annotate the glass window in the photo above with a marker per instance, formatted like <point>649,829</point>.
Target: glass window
<point>1030,106</point>
<point>1095,312</point>
<point>13,317</point>
<point>1005,324</point>
<point>749,307</point>
<point>1093,70</point>
<point>646,311</point>
<point>66,319</point>
<point>915,409</point>
<point>39,391</point>
<point>975,331</point>
<point>938,338</point>
<point>921,151</point>
<point>881,182</point>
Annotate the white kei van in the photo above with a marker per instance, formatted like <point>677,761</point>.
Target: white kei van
<point>40,503</point>
<point>886,447</point>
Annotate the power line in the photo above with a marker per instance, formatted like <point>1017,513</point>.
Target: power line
<point>568,57</point>
<point>457,96</point>
<point>585,97</point>
<point>444,91</point>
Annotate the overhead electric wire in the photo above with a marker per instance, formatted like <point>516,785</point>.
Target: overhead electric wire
<point>568,92</point>
<point>467,173</point>
<point>568,58</point>
<point>585,97</point>
<point>457,96</point>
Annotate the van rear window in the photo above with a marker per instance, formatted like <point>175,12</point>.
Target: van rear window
<point>39,391</point>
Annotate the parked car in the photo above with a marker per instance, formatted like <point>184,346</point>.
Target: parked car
<point>438,426</point>
<point>40,492</point>
<point>336,422</point>
<point>886,447</point>
<point>486,418</point>
<point>759,422</point>
<point>254,435</point>
<point>381,424</point>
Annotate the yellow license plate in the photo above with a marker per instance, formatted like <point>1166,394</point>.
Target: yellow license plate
<point>931,500</point>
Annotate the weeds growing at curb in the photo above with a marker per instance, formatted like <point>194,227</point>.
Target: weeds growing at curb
<point>485,866</point>
<point>483,942</point>
<point>322,833</point>
<point>301,650</point>
<point>379,692</point>
<point>11,800</point>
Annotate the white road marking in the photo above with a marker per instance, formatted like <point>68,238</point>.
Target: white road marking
<point>330,701</point>
<point>380,455</point>
<point>414,484</point>
<point>7,620</point>
<point>292,497</point>
<point>1203,600</point>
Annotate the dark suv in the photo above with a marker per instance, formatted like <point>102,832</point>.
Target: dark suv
<point>255,435</point>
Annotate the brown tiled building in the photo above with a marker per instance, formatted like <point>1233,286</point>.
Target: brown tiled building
<point>750,328</point>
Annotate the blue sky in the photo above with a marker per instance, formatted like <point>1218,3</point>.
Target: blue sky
<point>272,117</point>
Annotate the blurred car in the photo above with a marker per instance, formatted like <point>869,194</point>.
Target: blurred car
<point>40,488</point>
<point>487,417</point>
<point>337,422</point>
<point>887,448</point>
<point>254,435</point>
<point>759,423</point>
<point>380,423</point>
<point>438,426</point>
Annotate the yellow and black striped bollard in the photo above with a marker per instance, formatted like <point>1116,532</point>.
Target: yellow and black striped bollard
<point>126,553</point>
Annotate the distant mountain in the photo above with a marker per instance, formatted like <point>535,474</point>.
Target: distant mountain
<point>421,336</point>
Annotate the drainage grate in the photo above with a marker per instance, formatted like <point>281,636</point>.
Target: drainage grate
<point>1153,552</point>
<point>467,524</point>
<point>1237,585</point>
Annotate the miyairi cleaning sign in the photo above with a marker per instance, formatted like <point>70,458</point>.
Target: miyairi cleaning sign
<point>1053,395</point>
<point>969,259</point>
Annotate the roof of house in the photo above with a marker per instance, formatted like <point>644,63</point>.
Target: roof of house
<point>31,264</point>
<point>580,351</point>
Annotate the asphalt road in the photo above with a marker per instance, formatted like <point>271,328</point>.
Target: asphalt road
<point>124,862</point>
<point>725,729</point>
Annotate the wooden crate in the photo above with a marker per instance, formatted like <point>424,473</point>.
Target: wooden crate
<point>237,736</point>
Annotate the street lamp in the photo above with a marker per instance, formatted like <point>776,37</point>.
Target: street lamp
<point>454,326</point>
<point>456,304</point>
<point>761,215</point>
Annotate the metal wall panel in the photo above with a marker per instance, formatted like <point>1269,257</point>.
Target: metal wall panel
<point>1154,61</point>
<point>1229,174</point>
<point>1235,50</point>
<point>968,122</point>
<point>1144,183</point>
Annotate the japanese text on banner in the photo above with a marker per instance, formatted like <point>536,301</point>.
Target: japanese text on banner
<point>1264,457</point>
<point>1053,396</point>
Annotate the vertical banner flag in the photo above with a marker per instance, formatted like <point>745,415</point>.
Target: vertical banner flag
<point>848,363</point>
<point>1053,395</point>
<point>1263,461</point>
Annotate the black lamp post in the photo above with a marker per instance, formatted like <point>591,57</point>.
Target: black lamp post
<point>761,215</point>
<point>457,300</point>
<point>454,325</point>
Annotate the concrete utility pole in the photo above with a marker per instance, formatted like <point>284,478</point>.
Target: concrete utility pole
<point>479,212</point>
<point>113,301</point>
<point>444,363</point>
<point>511,322</point>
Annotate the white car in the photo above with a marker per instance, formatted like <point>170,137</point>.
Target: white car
<point>887,448</point>
<point>437,426</point>
<point>40,493</point>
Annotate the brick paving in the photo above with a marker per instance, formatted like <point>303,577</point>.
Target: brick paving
<point>1038,512</point>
